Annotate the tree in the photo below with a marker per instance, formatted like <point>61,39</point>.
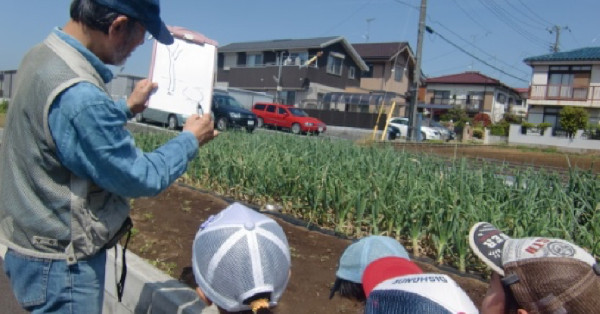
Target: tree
<point>482,119</point>
<point>573,119</point>
<point>457,115</point>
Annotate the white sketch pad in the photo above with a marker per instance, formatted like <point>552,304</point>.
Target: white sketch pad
<point>184,72</point>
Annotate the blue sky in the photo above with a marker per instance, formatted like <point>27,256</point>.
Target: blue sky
<point>489,36</point>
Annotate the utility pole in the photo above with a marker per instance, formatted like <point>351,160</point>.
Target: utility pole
<point>556,30</point>
<point>417,75</point>
<point>278,79</point>
<point>367,36</point>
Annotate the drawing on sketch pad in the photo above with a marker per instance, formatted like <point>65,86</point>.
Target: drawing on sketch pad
<point>184,72</point>
<point>174,52</point>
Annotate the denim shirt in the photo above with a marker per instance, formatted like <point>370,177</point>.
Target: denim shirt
<point>88,128</point>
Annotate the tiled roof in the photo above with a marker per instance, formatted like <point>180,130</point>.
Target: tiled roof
<point>279,44</point>
<point>290,44</point>
<point>470,77</point>
<point>582,54</point>
<point>379,50</point>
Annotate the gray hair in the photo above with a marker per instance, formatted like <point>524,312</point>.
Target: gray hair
<point>94,15</point>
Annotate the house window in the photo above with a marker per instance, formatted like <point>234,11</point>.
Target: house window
<point>253,60</point>
<point>298,58</point>
<point>569,82</point>
<point>398,72</point>
<point>369,73</point>
<point>441,97</point>
<point>501,98</point>
<point>334,63</point>
<point>474,101</point>
<point>511,101</point>
<point>351,72</point>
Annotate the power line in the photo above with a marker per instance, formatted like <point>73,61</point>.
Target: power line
<point>410,5</point>
<point>472,45</point>
<point>347,18</point>
<point>534,13</point>
<point>527,17</point>
<point>501,14</point>
<point>469,15</point>
<point>430,30</point>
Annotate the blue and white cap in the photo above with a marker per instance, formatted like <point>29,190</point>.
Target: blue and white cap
<point>240,253</point>
<point>358,255</point>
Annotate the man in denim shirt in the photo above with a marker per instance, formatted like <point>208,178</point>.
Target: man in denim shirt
<point>67,162</point>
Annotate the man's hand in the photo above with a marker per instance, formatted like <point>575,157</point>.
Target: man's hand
<point>138,98</point>
<point>202,127</point>
<point>494,301</point>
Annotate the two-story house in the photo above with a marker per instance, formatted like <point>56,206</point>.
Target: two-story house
<point>295,71</point>
<point>391,70</point>
<point>391,66</point>
<point>473,92</point>
<point>568,78</point>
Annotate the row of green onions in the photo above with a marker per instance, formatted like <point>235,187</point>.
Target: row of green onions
<point>426,202</point>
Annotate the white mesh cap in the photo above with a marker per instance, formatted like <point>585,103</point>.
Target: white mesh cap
<point>238,254</point>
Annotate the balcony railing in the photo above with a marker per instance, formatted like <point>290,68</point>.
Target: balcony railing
<point>471,105</point>
<point>565,92</point>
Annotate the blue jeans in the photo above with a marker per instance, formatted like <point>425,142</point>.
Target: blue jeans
<point>45,285</point>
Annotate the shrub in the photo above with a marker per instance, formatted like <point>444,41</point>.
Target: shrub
<point>482,119</point>
<point>478,133</point>
<point>3,106</point>
<point>512,118</point>
<point>593,131</point>
<point>500,129</point>
<point>573,119</point>
<point>544,125</point>
<point>527,124</point>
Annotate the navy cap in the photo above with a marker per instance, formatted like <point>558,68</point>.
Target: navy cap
<point>147,12</point>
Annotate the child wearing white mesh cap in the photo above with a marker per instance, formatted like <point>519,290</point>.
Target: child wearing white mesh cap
<point>241,261</point>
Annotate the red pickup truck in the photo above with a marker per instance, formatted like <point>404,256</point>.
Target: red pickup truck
<point>287,117</point>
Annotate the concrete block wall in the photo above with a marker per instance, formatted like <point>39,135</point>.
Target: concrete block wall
<point>577,143</point>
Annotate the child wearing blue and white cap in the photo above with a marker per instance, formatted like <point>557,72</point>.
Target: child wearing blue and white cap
<point>357,257</point>
<point>241,261</point>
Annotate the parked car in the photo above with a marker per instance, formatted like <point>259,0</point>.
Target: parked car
<point>169,119</point>
<point>229,113</point>
<point>393,132</point>
<point>427,133</point>
<point>287,117</point>
<point>445,133</point>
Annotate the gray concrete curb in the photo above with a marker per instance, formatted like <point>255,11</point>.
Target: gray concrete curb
<point>147,289</point>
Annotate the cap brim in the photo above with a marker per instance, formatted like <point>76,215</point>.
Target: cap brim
<point>160,32</point>
<point>488,242</point>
